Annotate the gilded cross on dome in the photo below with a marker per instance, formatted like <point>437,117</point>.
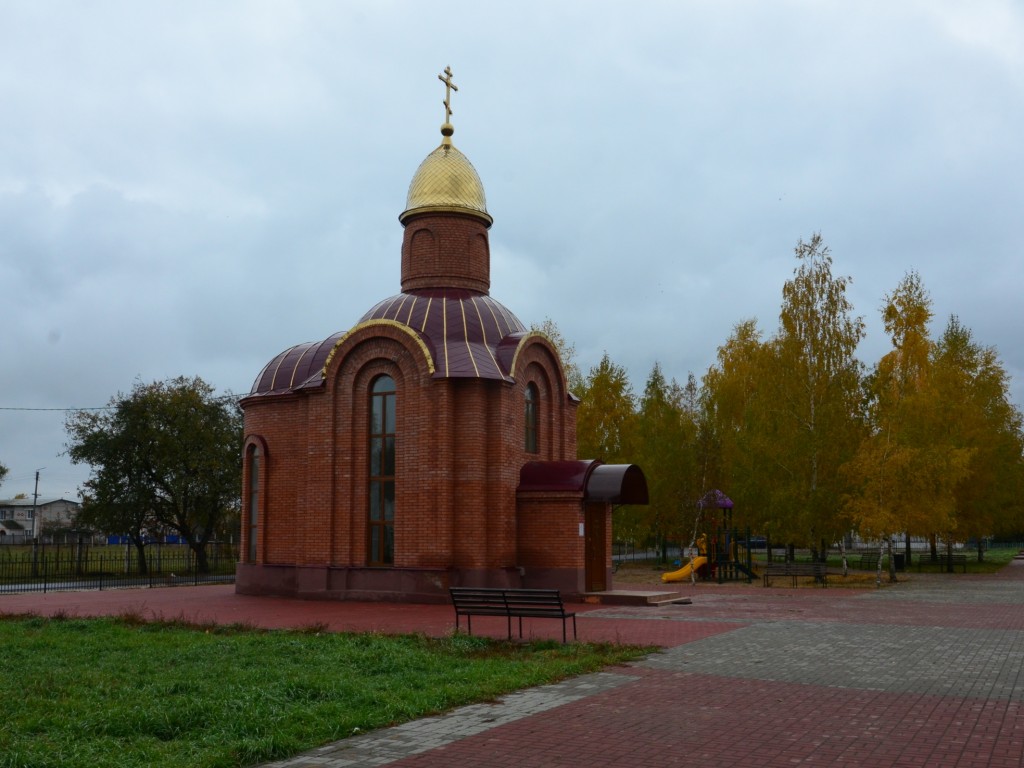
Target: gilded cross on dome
<point>449,86</point>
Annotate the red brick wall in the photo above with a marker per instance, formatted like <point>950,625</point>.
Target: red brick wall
<point>445,250</point>
<point>537,362</point>
<point>549,530</point>
<point>459,448</point>
<point>259,445</point>
<point>280,425</point>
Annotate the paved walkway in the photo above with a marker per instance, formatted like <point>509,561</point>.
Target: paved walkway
<point>925,673</point>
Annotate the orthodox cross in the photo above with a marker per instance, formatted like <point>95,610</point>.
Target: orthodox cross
<point>449,86</point>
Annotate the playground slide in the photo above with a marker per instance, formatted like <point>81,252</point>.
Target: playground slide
<point>684,573</point>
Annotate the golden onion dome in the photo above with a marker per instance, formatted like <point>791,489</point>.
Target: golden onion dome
<point>446,182</point>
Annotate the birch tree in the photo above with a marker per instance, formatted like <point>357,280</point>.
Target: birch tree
<point>731,437</point>
<point>977,415</point>
<point>902,479</point>
<point>605,430</point>
<point>566,351</point>
<point>812,386</point>
<point>665,451</point>
<point>606,418</point>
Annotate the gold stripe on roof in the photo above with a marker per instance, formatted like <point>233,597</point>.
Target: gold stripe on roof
<point>295,368</point>
<point>507,315</point>
<point>384,313</point>
<point>390,324</point>
<point>426,314</point>
<point>497,324</point>
<point>273,378</point>
<point>483,330</point>
<point>444,331</point>
<point>398,309</point>
<point>521,344</point>
<point>465,334</point>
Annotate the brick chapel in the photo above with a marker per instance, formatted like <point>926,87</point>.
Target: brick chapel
<point>433,444</point>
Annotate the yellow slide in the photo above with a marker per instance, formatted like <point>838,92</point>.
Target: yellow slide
<point>684,573</point>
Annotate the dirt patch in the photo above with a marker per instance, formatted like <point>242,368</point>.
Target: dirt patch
<point>649,574</point>
<point>640,573</point>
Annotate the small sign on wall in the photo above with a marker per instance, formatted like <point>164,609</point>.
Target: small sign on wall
<point>581,529</point>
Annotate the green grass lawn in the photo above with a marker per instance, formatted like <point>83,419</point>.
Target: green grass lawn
<point>123,692</point>
<point>60,561</point>
<point>994,559</point>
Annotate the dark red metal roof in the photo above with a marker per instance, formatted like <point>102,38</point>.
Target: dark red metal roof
<point>617,484</point>
<point>462,329</point>
<point>467,334</point>
<point>612,483</point>
<point>555,475</point>
<point>296,367</point>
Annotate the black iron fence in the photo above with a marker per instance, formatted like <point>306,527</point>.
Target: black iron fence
<point>39,567</point>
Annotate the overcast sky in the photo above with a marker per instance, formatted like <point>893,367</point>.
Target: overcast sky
<point>188,188</point>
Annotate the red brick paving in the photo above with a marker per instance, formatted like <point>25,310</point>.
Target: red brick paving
<point>219,604</point>
<point>671,717</point>
<point>699,721</point>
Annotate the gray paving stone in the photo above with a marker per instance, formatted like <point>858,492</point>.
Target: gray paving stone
<point>973,662</point>
<point>392,744</point>
<point>954,588</point>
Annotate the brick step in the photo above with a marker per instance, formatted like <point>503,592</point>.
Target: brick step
<point>635,597</point>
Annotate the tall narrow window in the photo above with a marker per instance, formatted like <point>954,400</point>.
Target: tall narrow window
<point>532,444</point>
<point>382,472</point>
<point>253,500</point>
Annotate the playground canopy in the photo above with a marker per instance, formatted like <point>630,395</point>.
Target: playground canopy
<point>715,500</point>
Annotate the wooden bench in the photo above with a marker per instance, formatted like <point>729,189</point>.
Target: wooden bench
<point>868,561</point>
<point>959,561</point>
<point>518,603</point>
<point>796,571</point>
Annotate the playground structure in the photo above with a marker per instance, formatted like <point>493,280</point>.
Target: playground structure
<point>698,564</point>
<point>725,554</point>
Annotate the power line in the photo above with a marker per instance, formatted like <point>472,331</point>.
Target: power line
<point>222,398</point>
<point>91,408</point>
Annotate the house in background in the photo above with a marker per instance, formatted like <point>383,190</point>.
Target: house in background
<point>27,518</point>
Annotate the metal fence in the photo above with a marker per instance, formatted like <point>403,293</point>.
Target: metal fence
<point>64,567</point>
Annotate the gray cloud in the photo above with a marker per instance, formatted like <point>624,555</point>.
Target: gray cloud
<point>190,188</point>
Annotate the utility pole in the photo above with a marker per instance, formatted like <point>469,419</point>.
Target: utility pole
<point>36,528</point>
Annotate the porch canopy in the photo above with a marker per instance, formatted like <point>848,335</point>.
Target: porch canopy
<point>597,481</point>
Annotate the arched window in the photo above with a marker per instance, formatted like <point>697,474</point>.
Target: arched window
<point>252,501</point>
<point>381,516</point>
<point>532,420</point>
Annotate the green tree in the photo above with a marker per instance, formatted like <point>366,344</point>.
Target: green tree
<point>117,497</point>
<point>811,387</point>
<point>566,350</point>
<point>736,459</point>
<point>973,389</point>
<point>706,454</point>
<point>3,473</point>
<point>694,455</point>
<point>167,454</point>
<point>665,442</point>
<point>903,474</point>
<point>605,430</point>
<point>606,418</point>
